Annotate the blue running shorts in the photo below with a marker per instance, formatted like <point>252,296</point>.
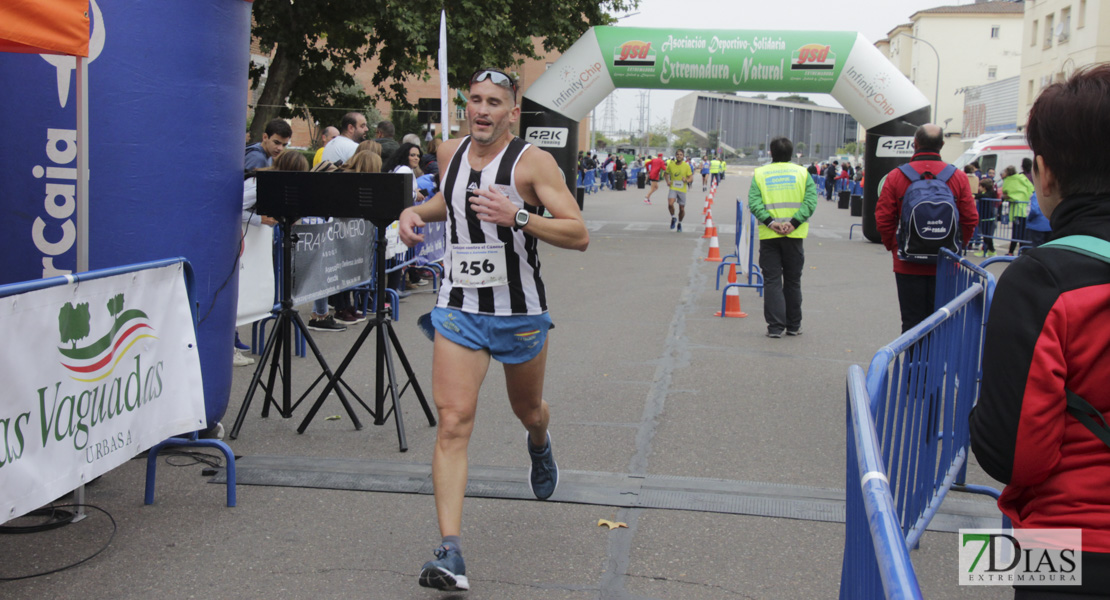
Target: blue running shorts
<point>511,340</point>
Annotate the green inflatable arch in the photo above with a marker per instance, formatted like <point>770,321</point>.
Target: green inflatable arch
<point>843,64</point>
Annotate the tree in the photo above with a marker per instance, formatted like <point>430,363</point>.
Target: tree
<point>73,322</point>
<point>714,140</point>
<point>796,98</point>
<point>849,148</point>
<point>686,139</point>
<point>317,45</point>
<point>800,147</point>
<point>115,305</point>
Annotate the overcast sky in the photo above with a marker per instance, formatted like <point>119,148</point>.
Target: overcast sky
<point>872,18</point>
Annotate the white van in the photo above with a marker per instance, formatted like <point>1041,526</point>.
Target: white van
<point>996,151</point>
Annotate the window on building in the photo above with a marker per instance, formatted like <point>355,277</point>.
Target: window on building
<point>995,31</point>
<point>460,113</point>
<point>1029,95</point>
<point>1065,25</point>
<point>1048,25</point>
<point>992,73</point>
<point>1082,20</point>
<point>1033,38</point>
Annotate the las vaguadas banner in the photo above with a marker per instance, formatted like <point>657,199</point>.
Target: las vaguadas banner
<point>95,372</point>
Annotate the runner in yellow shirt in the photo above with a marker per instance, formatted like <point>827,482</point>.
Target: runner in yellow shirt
<point>679,175</point>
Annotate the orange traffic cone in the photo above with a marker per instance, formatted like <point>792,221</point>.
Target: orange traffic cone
<point>732,297</point>
<point>714,250</point>
<point>710,228</point>
<point>706,214</point>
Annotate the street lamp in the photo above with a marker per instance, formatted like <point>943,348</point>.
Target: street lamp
<point>936,93</point>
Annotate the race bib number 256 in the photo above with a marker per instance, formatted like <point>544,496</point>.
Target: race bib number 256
<point>479,265</point>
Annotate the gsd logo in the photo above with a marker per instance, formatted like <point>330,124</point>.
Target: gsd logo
<point>813,57</point>
<point>634,54</point>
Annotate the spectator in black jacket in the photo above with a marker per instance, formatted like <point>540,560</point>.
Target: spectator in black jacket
<point>1048,334</point>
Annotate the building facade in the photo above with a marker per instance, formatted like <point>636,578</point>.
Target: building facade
<point>1059,37</point>
<point>947,50</point>
<point>749,124</point>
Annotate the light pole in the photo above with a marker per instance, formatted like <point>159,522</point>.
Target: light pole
<point>936,92</point>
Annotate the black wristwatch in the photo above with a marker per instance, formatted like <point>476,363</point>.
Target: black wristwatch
<point>521,219</point>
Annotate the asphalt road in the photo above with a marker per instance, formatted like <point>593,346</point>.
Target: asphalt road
<point>643,381</point>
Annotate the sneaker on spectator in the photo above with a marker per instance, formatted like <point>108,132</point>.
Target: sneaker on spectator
<point>794,332</point>
<point>238,360</point>
<point>774,334</point>
<point>543,475</point>
<point>447,572</point>
<point>349,316</point>
<point>325,324</point>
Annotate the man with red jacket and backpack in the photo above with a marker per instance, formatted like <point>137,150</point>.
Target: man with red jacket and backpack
<point>915,273</point>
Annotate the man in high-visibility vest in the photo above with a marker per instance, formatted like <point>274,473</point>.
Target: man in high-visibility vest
<point>782,198</point>
<point>715,168</point>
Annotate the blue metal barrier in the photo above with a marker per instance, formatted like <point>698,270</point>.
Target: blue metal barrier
<point>920,389</point>
<point>876,560</point>
<point>753,271</point>
<point>995,222</point>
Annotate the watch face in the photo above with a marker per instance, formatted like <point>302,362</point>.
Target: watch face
<point>521,218</point>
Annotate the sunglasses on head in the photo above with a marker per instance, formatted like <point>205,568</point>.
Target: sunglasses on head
<point>496,77</point>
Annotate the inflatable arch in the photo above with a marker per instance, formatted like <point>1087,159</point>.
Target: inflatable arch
<point>843,64</point>
<point>165,155</point>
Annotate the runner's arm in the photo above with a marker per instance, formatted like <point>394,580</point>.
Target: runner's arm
<point>540,181</point>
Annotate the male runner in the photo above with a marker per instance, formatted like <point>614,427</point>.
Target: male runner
<point>655,168</point>
<point>679,175</point>
<point>492,303</point>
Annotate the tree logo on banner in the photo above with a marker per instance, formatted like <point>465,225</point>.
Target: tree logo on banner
<point>98,359</point>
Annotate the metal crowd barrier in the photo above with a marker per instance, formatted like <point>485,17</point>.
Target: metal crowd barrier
<point>996,223</point>
<point>876,560</point>
<point>751,269</point>
<point>920,389</point>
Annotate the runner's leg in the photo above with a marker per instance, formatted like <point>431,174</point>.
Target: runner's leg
<point>457,374</point>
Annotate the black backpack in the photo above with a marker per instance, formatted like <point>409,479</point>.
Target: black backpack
<point>930,219</point>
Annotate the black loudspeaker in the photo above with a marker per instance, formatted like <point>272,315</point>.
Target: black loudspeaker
<point>843,198</point>
<point>376,197</point>
<point>855,206</point>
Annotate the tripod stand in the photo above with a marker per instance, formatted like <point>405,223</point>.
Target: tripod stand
<point>278,350</point>
<point>382,325</point>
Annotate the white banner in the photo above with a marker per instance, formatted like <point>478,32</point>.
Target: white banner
<point>872,89</point>
<point>96,372</point>
<point>256,274</point>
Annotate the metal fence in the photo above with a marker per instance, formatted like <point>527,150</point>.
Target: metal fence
<point>919,390</point>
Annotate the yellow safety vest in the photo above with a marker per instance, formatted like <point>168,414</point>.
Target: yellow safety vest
<point>714,166</point>
<point>783,189</point>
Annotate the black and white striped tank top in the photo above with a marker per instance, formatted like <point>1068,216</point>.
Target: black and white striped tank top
<point>524,294</point>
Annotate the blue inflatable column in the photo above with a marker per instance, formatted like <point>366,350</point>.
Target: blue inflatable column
<point>167,116</point>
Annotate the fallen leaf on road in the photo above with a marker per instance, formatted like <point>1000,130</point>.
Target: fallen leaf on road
<point>611,524</point>
<point>333,418</point>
